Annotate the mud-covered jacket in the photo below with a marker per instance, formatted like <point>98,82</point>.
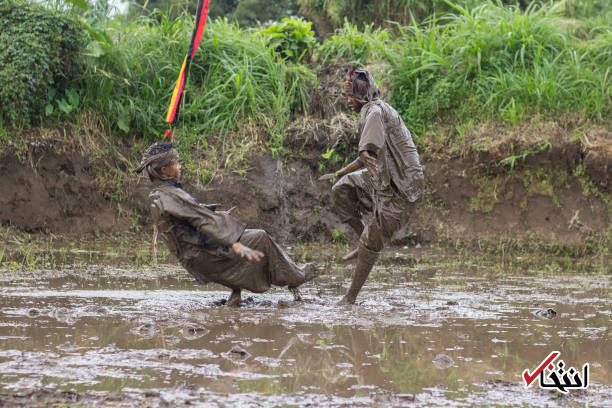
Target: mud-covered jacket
<point>189,227</point>
<point>383,133</point>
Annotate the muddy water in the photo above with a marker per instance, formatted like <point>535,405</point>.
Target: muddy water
<point>418,337</point>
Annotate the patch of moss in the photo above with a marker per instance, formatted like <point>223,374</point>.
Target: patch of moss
<point>590,189</point>
<point>493,189</point>
<point>544,181</point>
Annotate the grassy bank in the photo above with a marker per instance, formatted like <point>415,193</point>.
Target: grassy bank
<point>490,61</point>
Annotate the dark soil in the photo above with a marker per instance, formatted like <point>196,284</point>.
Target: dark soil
<point>53,190</point>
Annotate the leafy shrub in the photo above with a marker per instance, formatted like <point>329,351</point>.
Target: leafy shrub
<point>39,56</point>
<point>293,38</point>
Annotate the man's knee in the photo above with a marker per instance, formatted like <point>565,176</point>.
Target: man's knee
<point>372,241</point>
<point>367,255</point>
<point>254,238</point>
<point>372,237</point>
<point>339,193</point>
<point>344,200</point>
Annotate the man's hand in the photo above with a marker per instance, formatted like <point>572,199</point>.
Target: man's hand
<point>244,251</point>
<point>327,176</point>
<point>368,160</point>
<point>348,88</point>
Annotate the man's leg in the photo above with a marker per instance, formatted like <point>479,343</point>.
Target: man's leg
<point>365,261</point>
<point>279,268</point>
<point>235,298</point>
<point>310,272</point>
<point>350,199</point>
<point>385,221</point>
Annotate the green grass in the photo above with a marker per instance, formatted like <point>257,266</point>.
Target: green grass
<point>356,46</point>
<point>236,80</point>
<point>499,61</point>
<point>485,62</point>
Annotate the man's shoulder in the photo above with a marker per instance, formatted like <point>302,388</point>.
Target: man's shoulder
<point>168,190</point>
<point>371,109</point>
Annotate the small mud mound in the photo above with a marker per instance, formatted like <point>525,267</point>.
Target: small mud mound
<point>236,353</point>
<point>546,313</point>
<point>321,133</point>
<point>63,315</point>
<point>327,98</point>
<point>192,331</point>
<point>442,362</point>
<point>145,331</point>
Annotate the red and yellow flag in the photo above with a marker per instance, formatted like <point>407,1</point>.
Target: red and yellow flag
<point>198,30</point>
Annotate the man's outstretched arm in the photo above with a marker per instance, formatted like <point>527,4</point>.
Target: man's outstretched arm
<point>365,159</point>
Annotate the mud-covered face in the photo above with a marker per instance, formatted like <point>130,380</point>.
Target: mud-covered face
<point>173,170</point>
<point>348,91</point>
<point>355,104</point>
<point>360,88</point>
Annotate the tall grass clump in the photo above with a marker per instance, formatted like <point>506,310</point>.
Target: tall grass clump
<point>496,60</point>
<point>238,79</point>
<point>329,15</point>
<point>356,46</point>
<point>235,79</point>
<point>131,70</point>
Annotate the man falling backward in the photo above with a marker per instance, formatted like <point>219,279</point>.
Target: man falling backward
<point>213,245</point>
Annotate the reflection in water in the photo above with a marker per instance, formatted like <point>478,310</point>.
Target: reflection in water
<point>424,340</point>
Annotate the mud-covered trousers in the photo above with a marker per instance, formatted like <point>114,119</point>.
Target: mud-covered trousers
<point>234,272</point>
<point>383,211</point>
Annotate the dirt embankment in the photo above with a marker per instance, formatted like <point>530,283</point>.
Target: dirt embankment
<point>533,181</point>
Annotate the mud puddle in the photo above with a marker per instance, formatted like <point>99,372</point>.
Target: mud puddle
<point>442,336</point>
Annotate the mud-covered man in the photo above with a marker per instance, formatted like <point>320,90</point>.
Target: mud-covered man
<point>375,193</point>
<point>213,245</point>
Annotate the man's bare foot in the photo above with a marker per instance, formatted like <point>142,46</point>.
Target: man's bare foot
<point>234,299</point>
<point>310,271</point>
<point>350,256</point>
<point>296,293</point>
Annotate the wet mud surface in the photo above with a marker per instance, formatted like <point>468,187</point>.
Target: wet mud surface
<point>438,336</point>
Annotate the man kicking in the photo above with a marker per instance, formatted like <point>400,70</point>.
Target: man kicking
<point>382,184</point>
<point>213,245</point>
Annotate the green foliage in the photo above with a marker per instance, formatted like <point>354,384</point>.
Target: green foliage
<point>39,56</point>
<point>511,161</point>
<point>331,156</point>
<point>235,79</point>
<point>293,38</point>
<point>338,236</point>
<point>587,8</point>
<point>329,15</point>
<point>354,45</point>
<point>251,12</point>
<point>246,13</point>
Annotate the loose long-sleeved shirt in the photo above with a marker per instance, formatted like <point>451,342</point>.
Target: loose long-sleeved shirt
<point>188,226</point>
<point>201,238</point>
<point>384,133</point>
